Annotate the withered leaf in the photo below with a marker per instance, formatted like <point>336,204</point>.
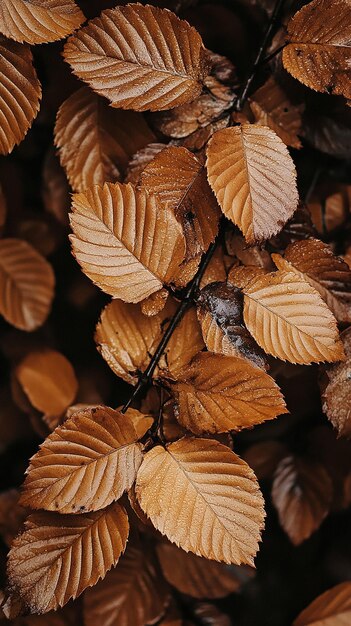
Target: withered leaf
<point>21,267</point>
<point>204,498</point>
<point>95,140</point>
<point>141,422</point>
<point>85,464</point>
<point>331,608</point>
<point>336,395</point>
<point>302,494</point>
<point>253,178</point>
<point>132,594</point>
<point>241,276</point>
<point>155,303</point>
<point>216,270</point>
<point>140,160</point>
<point>163,67</point>
<point>329,206</point>
<point>247,255</point>
<point>50,563</point>
<point>289,320</point>
<point>318,51</point>
<point>217,393</point>
<point>123,258</point>
<point>20,93</point>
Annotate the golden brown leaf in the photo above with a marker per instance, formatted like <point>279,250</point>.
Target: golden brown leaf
<point>302,494</point>
<point>204,498</point>
<point>247,255</point>
<point>85,464</point>
<point>35,21</point>
<point>253,178</point>
<point>141,422</point>
<point>123,259</point>
<point>140,160</point>
<point>20,93</point>
<point>21,267</point>
<point>336,396</point>
<point>289,319</point>
<point>194,575</point>
<point>132,594</point>
<point>51,562</point>
<point>106,137</point>
<point>318,51</point>
<point>331,608</point>
<point>139,57</point>
<point>155,303</point>
<point>329,206</point>
<point>217,393</point>
<point>216,270</point>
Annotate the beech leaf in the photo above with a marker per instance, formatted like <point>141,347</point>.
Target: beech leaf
<point>336,395</point>
<point>331,608</point>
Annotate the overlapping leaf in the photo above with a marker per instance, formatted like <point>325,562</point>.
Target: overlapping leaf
<point>332,608</point>
<point>336,395</point>
<point>139,57</point>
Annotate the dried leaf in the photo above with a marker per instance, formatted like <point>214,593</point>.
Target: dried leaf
<point>302,493</point>
<point>247,255</point>
<point>140,160</point>
<point>140,421</point>
<point>243,275</point>
<point>318,50</point>
<point>217,393</point>
<point>336,395</point>
<point>216,270</point>
<point>329,206</point>
<point>123,259</point>
<point>155,303</point>
<point>35,21</point>
<point>204,498</point>
<point>20,93</point>
<point>164,66</point>
<point>253,178</point>
<point>331,608</point>
<point>289,319</point>
<point>85,464</point>
<point>51,562</point>
<point>106,138</point>
<point>21,267</point>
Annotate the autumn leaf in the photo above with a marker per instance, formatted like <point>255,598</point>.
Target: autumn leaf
<point>217,393</point>
<point>193,482</point>
<point>264,456</point>
<point>20,93</point>
<point>331,608</point>
<point>289,320</point>
<point>155,303</point>
<point>107,138</point>
<point>21,267</point>
<point>140,160</point>
<point>253,178</point>
<point>50,563</point>
<point>124,260</point>
<point>336,393</point>
<point>85,464</point>
<point>318,51</point>
<point>12,515</point>
<point>163,67</point>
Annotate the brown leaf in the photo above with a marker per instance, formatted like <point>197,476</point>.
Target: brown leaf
<point>247,255</point>
<point>336,396</point>
<point>132,594</point>
<point>85,464</point>
<point>194,575</point>
<point>216,270</point>
<point>289,319</point>
<point>155,303</point>
<point>331,608</point>
<point>35,21</point>
<point>140,160</point>
<point>330,206</point>
<point>217,393</point>
<point>328,274</point>
<point>140,421</point>
<point>20,93</point>
<point>48,380</point>
<point>51,562</point>
<point>302,492</point>
<point>12,515</point>
<point>204,498</point>
<point>124,260</point>
<point>318,50</point>
<point>21,267</point>
<point>164,66</point>
<point>253,178</point>
<point>106,137</point>
<point>220,313</point>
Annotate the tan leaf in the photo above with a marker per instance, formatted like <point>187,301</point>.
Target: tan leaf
<point>302,493</point>
<point>140,421</point>
<point>21,267</point>
<point>20,93</point>
<point>198,140</point>
<point>126,338</point>
<point>106,137</point>
<point>51,562</point>
<point>48,380</point>
<point>204,498</point>
<point>123,259</point>
<point>318,51</point>
<point>85,464</point>
<point>132,594</point>
<point>155,303</point>
<point>12,515</point>
<point>289,319</point>
<point>254,179</point>
<point>329,206</point>
<point>247,255</point>
<point>331,608</point>
<point>179,181</point>
<point>271,107</point>
<point>140,160</point>
<point>217,393</point>
<point>328,274</point>
<point>163,67</point>
<point>336,396</point>
<point>194,575</point>
<point>216,269</point>
<point>35,21</point>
